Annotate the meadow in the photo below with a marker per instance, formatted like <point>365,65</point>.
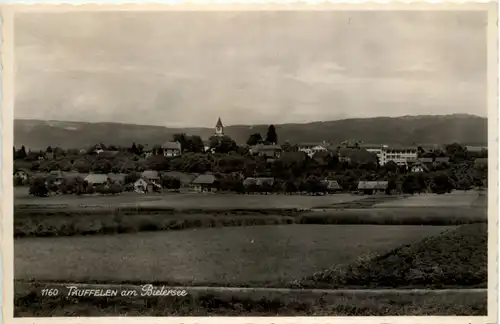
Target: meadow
<point>206,201</point>
<point>243,256</point>
<point>131,213</point>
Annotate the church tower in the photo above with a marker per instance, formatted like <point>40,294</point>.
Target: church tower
<point>219,128</point>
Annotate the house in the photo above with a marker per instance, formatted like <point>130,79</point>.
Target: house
<point>151,176</point>
<point>95,179</point>
<point>372,187</point>
<point>141,185</point>
<point>171,149</point>
<point>97,149</point>
<point>332,185</point>
<point>312,148</point>
<point>268,151</point>
<point>418,167</point>
<point>205,182</point>
<point>118,178</point>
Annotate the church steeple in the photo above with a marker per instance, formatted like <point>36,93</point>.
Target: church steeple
<point>219,128</point>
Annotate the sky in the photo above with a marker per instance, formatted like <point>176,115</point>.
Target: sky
<point>180,69</point>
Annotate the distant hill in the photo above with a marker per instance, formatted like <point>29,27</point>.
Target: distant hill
<point>406,130</point>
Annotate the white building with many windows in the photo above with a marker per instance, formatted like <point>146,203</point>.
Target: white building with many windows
<point>400,155</point>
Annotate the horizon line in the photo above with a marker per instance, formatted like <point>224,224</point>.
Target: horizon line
<point>250,125</point>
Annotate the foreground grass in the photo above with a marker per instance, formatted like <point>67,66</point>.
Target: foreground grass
<point>246,256</point>
<point>455,258</point>
<point>28,302</point>
<point>43,222</point>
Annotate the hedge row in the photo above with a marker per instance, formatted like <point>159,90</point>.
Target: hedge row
<point>65,223</point>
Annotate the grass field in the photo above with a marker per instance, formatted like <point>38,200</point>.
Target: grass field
<point>258,255</point>
<point>181,200</point>
<point>28,302</point>
<point>455,199</point>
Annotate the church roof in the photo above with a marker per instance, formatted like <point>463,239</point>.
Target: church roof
<point>219,123</point>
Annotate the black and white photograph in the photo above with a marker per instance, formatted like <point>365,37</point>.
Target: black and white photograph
<point>251,162</point>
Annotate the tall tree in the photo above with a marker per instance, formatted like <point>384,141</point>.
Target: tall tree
<point>271,136</point>
<point>254,139</point>
<point>456,152</point>
<point>182,139</point>
<point>222,144</point>
<point>196,144</point>
<point>21,154</point>
<point>134,149</point>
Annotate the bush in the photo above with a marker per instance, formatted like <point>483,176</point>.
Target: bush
<point>39,188</point>
<point>18,181</point>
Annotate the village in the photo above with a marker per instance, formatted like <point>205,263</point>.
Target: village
<point>324,165</point>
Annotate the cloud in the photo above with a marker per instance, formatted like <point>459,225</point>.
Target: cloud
<point>171,69</point>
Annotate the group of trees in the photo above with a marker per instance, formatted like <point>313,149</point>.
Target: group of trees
<point>271,137</point>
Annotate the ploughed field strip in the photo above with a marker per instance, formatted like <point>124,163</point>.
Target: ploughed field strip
<point>258,256</point>
<point>455,258</point>
<point>363,202</point>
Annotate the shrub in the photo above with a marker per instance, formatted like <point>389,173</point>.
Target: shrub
<point>39,188</point>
